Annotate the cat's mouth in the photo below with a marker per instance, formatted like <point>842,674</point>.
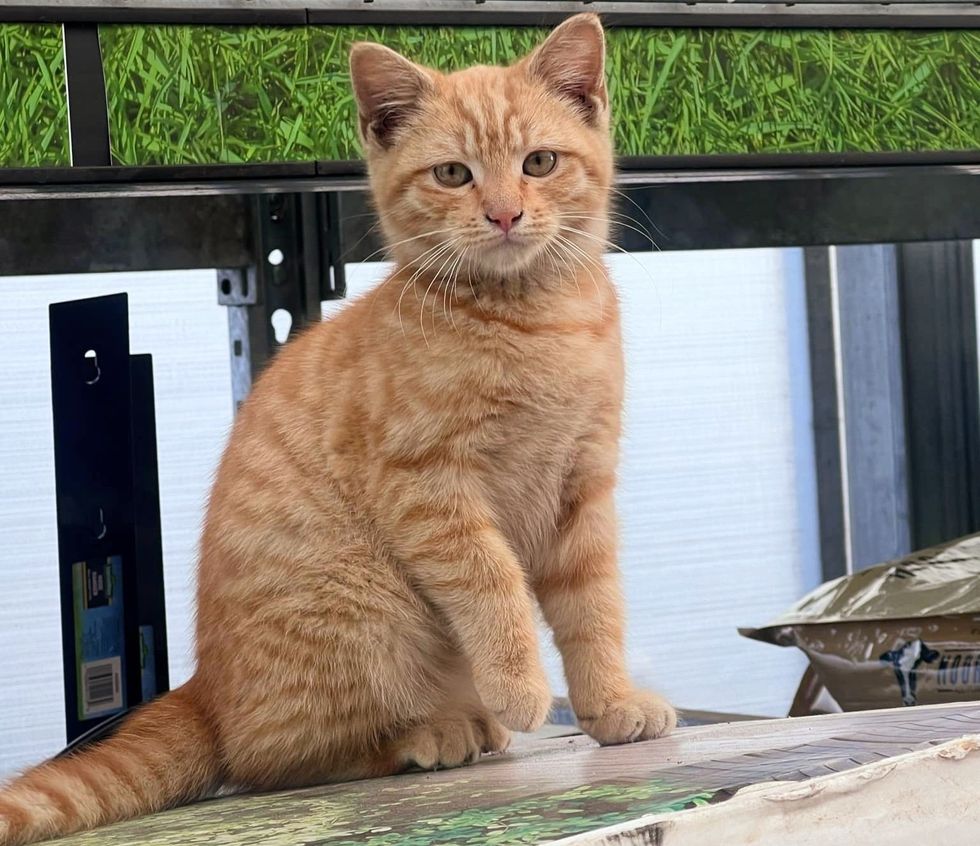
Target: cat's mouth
<point>511,252</point>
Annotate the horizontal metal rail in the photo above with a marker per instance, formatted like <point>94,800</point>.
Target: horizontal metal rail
<point>937,14</point>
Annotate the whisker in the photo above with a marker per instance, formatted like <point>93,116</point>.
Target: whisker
<point>570,268</point>
<point>449,274</point>
<point>435,278</point>
<point>439,249</point>
<point>389,247</point>
<point>607,243</point>
<point>642,211</point>
<point>394,274</point>
<point>572,246</point>
<point>452,295</point>
<point>646,235</point>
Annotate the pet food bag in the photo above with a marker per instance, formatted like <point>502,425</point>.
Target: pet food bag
<point>902,633</point>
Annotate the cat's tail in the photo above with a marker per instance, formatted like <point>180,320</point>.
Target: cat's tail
<point>164,755</point>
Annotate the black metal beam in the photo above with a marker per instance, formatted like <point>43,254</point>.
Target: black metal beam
<point>827,441</point>
<point>115,231</point>
<point>938,14</point>
<point>806,209</point>
<point>88,113</point>
<point>289,273</point>
<point>125,233</point>
<point>942,381</point>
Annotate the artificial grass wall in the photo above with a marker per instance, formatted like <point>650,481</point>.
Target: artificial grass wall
<point>203,95</point>
<point>33,104</point>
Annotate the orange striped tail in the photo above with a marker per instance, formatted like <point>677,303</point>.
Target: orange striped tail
<point>164,755</point>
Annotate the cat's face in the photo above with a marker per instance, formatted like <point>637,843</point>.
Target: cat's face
<point>492,171</point>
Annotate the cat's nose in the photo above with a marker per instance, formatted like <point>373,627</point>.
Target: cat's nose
<point>504,218</point>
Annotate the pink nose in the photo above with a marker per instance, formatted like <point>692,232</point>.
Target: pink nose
<point>505,219</point>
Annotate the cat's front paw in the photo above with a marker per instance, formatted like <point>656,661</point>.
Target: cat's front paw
<point>639,716</point>
<point>521,703</point>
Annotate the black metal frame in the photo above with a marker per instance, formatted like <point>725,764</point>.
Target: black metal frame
<point>88,118</point>
<point>942,388</point>
<point>163,226</point>
<point>737,13</point>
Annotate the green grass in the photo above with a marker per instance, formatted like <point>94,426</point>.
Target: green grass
<point>33,107</point>
<point>737,91</point>
<point>255,94</point>
<point>211,94</point>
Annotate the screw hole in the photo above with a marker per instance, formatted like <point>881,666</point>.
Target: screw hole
<point>237,347</point>
<point>282,322</point>
<point>100,526</point>
<point>226,286</point>
<point>92,370</point>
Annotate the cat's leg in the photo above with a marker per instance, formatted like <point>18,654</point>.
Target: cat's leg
<point>578,588</point>
<point>459,562</point>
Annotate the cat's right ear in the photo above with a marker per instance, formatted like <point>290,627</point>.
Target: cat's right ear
<point>388,89</point>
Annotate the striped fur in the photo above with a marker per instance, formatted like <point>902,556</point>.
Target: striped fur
<point>411,481</point>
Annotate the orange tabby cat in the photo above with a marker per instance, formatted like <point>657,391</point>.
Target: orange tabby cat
<point>408,478</point>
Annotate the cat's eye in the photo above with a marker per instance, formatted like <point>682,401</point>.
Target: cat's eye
<point>540,163</point>
<point>452,174</point>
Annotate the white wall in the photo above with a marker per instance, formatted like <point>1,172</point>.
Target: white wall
<point>174,316</point>
<point>716,497</point>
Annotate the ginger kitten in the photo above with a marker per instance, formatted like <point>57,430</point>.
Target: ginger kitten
<point>408,479</point>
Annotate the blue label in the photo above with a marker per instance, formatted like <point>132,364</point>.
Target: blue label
<point>99,637</point>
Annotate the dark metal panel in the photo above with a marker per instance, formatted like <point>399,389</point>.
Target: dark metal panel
<point>821,325</point>
<point>331,220</point>
<point>88,114</point>
<point>150,233</point>
<point>91,407</point>
<point>938,301</point>
<point>860,441</point>
<point>151,598</point>
<point>704,210</point>
<point>723,211</point>
<point>866,286</point>
<point>289,270</point>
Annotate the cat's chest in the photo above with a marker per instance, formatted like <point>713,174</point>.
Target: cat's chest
<point>537,419</point>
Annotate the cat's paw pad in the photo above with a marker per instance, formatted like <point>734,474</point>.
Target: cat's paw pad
<point>639,716</point>
<point>521,704</point>
<point>453,740</point>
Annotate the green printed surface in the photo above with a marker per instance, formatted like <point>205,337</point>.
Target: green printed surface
<point>33,104</point>
<point>454,811</point>
<point>181,95</point>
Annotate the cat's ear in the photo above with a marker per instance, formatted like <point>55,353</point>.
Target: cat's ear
<point>388,89</point>
<point>572,61</point>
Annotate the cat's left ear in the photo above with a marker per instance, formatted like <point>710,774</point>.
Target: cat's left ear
<point>572,61</point>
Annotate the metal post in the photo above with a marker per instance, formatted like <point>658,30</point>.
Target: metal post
<point>939,339</point>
